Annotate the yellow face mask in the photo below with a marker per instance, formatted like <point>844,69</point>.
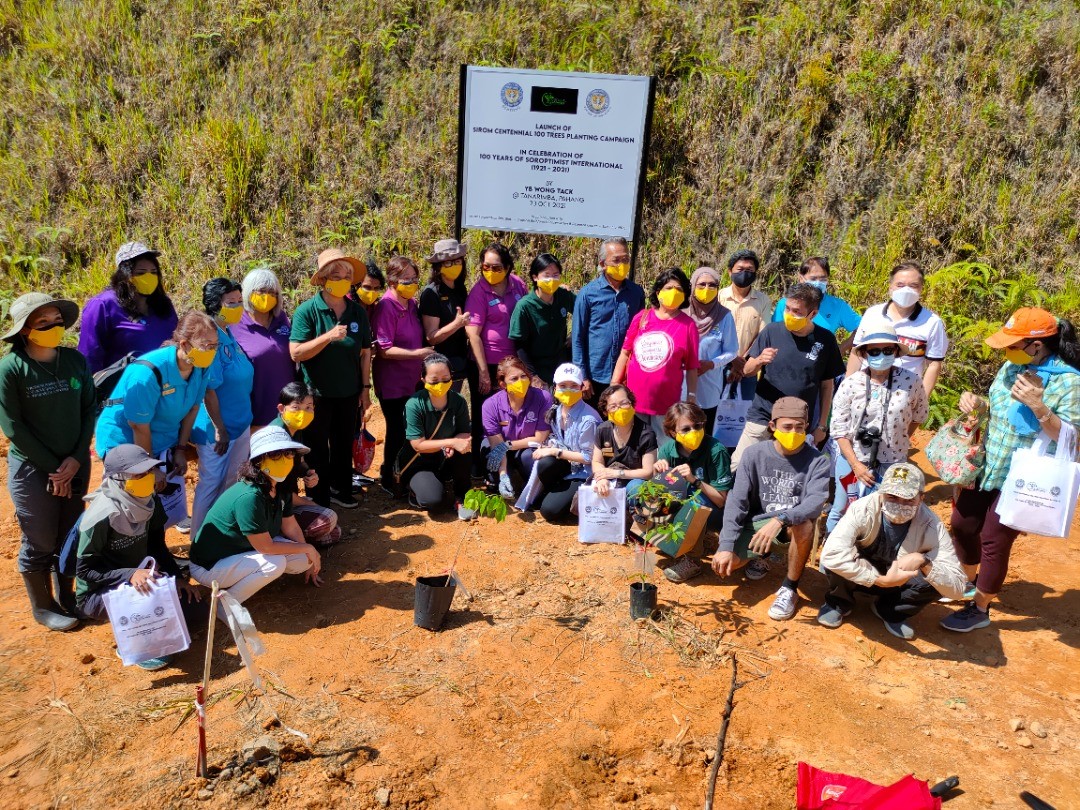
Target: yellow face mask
<point>619,272</point>
<point>277,468</point>
<point>230,315</point>
<point>1017,356</point>
<point>494,277</point>
<point>297,420</point>
<point>790,441</point>
<point>338,287</point>
<point>201,358</point>
<point>145,283</point>
<point>368,297</point>
<point>451,271</point>
<point>622,416</point>
<point>706,295</point>
<point>263,302</point>
<point>406,291</point>
<point>795,323</point>
<point>438,389</point>
<point>46,338</point>
<point>672,299</point>
<point>692,440</point>
<point>141,487</point>
<point>568,398</point>
<point>518,388</point>
<point>548,285</point>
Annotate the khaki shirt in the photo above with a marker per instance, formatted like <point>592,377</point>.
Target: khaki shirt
<point>751,315</point>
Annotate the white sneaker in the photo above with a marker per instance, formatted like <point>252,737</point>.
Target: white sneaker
<point>784,605</point>
<point>756,569</point>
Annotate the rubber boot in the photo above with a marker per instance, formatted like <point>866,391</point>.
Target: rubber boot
<point>63,589</point>
<point>46,611</point>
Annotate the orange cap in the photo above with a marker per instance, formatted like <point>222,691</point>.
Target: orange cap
<point>334,255</point>
<point>1028,323</point>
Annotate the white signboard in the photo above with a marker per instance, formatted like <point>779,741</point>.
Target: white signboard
<point>552,152</point>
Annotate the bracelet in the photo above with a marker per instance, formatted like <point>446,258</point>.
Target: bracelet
<point>558,453</point>
<point>1044,419</point>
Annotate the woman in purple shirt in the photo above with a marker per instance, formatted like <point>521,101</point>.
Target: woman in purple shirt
<point>490,304</point>
<point>134,315</point>
<point>263,334</point>
<point>515,421</point>
<point>400,352</point>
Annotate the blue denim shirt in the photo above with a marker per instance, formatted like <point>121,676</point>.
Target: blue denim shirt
<point>579,436</point>
<point>601,318</point>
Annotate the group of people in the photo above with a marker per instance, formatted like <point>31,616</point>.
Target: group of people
<point>605,388</point>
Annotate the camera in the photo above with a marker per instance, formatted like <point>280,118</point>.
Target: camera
<point>868,436</point>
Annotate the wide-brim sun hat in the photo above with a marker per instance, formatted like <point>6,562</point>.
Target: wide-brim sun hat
<point>336,255</point>
<point>879,332</point>
<point>1027,323</point>
<point>446,250</point>
<point>273,439</point>
<point>26,305</point>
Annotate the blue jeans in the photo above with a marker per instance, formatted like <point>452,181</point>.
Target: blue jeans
<point>44,519</point>
<point>840,498</point>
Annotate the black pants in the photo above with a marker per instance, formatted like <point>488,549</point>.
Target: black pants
<point>393,411</point>
<point>554,502</point>
<point>426,475</point>
<point>710,420</point>
<point>471,374</point>
<point>597,390</point>
<point>893,604</point>
<point>330,437</point>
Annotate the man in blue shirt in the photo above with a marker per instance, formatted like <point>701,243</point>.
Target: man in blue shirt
<point>602,314</point>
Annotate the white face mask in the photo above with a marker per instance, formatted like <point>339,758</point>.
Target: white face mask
<point>899,512</point>
<point>905,296</point>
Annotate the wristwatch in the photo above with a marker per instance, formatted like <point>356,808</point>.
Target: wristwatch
<point>928,564</point>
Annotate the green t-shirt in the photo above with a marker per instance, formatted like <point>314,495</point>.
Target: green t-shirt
<point>334,371</point>
<point>421,419</point>
<point>47,409</point>
<point>244,509</point>
<point>540,329</point>
<point>710,462</point>
<point>109,551</point>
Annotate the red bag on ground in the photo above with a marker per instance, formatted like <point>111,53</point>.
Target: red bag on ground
<point>821,790</point>
<point>363,450</point>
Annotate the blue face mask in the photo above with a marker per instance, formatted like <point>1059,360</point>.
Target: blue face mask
<point>820,285</point>
<point>881,362</point>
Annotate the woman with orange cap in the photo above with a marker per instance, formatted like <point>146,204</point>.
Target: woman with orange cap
<point>1035,391</point>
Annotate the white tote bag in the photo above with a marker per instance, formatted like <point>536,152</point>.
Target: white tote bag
<point>1039,495</point>
<point>147,625</point>
<point>730,416</point>
<point>601,520</point>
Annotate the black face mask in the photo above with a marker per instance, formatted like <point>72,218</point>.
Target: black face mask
<point>744,278</point>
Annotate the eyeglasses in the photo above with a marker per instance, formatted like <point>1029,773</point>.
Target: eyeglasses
<point>212,347</point>
<point>449,265</point>
<point>888,351</point>
<point>492,268</point>
<point>279,455</point>
<point>615,406</point>
<point>406,281</point>
<point>691,429</point>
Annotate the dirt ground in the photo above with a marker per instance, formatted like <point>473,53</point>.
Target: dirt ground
<point>541,691</point>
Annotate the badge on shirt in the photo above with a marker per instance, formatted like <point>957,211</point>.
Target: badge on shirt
<point>167,389</point>
<point>494,302</point>
<point>354,327</point>
<point>504,424</point>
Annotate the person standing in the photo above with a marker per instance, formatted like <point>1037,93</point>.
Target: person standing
<point>834,313</point>
<point>718,342</point>
<point>490,304</point>
<point>47,413</point>
<point>263,336</point>
<point>133,316</point>
<point>752,310</point>
<point>602,314</point>
<point>538,325</point>
<point>331,340</point>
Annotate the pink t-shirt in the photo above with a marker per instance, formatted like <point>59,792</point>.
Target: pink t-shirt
<point>492,314</point>
<point>660,352</point>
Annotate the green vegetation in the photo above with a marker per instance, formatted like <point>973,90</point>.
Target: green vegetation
<point>231,133</point>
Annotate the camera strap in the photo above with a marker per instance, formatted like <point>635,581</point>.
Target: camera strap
<point>884,406</point>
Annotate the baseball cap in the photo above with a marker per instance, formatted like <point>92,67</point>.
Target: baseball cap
<point>133,250</point>
<point>1027,323</point>
<point>273,439</point>
<point>568,372</point>
<point>790,408</point>
<point>129,459</point>
<point>903,480</point>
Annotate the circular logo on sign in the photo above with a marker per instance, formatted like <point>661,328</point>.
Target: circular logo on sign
<point>597,102</point>
<point>1019,483</point>
<point>588,510</point>
<point>653,349</point>
<point>1033,486</point>
<point>123,621</point>
<point>1055,491</point>
<point>511,95</point>
<point>159,611</point>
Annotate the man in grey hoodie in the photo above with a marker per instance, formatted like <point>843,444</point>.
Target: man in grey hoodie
<point>780,489</point>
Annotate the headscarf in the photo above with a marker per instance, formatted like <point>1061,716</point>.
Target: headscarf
<point>706,316</point>
<point>127,514</point>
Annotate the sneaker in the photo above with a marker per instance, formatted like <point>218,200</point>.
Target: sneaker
<point>184,526</point>
<point>969,594</point>
<point>966,619</point>
<point>415,504</point>
<point>463,513</point>
<point>682,570</point>
<point>831,615</point>
<point>154,664</point>
<point>344,500</point>
<point>899,629</point>
<point>784,605</point>
<point>756,569</point>
<point>506,489</point>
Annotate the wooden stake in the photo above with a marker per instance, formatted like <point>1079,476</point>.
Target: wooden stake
<point>722,736</point>
<point>201,689</point>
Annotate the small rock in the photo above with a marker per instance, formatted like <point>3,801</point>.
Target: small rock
<point>204,795</point>
<point>926,732</point>
<point>1016,724</point>
<point>270,722</point>
<point>1001,744</point>
<point>1024,741</point>
<point>519,591</point>
<point>120,746</point>
<point>246,788</point>
<point>382,796</point>
<point>879,707</point>
<point>1055,746</point>
<point>12,773</point>
<point>88,658</point>
<point>260,748</point>
<point>226,773</point>
<point>535,603</point>
<point>1037,729</point>
<point>710,755</point>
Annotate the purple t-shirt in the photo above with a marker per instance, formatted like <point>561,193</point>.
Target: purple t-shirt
<point>499,417</point>
<point>397,325</point>
<point>108,333</point>
<point>268,351</point>
<point>492,313</point>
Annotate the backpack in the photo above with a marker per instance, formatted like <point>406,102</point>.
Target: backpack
<point>105,381</point>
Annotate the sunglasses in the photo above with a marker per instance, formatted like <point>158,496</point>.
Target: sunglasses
<point>492,268</point>
<point>888,352</point>
<point>279,455</point>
